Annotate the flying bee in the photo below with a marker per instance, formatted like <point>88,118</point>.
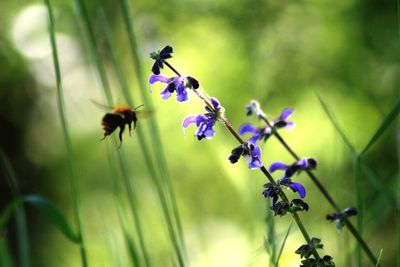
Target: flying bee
<point>119,117</point>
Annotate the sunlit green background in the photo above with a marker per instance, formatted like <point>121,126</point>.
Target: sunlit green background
<point>282,53</point>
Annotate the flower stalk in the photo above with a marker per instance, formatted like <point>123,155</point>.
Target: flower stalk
<point>159,64</point>
<point>261,115</point>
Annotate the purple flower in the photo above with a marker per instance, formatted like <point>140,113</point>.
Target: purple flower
<point>296,187</point>
<point>262,133</point>
<point>204,122</point>
<point>178,84</point>
<point>250,151</point>
<point>290,170</point>
<point>159,58</point>
<point>340,217</point>
<point>281,121</point>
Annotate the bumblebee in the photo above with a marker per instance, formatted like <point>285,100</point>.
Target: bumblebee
<point>119,117</point>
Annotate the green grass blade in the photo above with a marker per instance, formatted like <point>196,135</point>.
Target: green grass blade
<point>22,236</point>
<point>336,125</point>
<point>64,125</point>
<point>154,134</point>
<point>397,186</point>
<point>387,121</point>
<point>283,245</point>
<point>269,243</point>
<point>53,214</point>
<point>376,182</point>
<point>379,258</point>
<point>5,258</point>
<point>359,205</point>
<point>7,211</point>
<point>130,244</point>
<point>20,217</point>
<point>94,49</point>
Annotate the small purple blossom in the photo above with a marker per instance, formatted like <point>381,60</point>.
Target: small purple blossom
<point>290,170</point>
<point>296,187</point>
<point>281,121</point>
<point>159,58</point>
<point>340,217</point>
<point>262,133</point>
<point>251,152</point>
<point>204,122</point>
<point>179,84</point>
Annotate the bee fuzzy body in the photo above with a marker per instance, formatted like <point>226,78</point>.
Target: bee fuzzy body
<point>118,118</point>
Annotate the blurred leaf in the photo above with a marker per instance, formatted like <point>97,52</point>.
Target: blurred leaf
<point>390,117</point>
<point>54,215</point>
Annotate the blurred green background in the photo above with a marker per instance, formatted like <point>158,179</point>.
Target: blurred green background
<point>279,52</point>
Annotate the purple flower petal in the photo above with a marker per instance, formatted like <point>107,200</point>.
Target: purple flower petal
<point>254,159</point>
<point>248,128</point>
<point>166,93</point>
<point>277,166</point>
<point>189,120</point>
<point>159,78</point>
<point>290,125</point>
<point>303,163</point>
<point>299,188</point>
<point>182,96</point>
<point>286,113</point>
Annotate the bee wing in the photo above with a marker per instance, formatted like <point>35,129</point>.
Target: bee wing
<point>101,106</point>
<point>144,113</point>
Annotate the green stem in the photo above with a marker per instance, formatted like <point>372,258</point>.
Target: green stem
<point>67,139</point>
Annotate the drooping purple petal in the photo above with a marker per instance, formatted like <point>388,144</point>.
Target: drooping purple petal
<point>166,93</point>
<point>286,113</point>
<point>182,96</point>
<point>255,138</point>
<point>189,120</point>
<point>215,103</point>
<point>159,78</point>
<point>299,188</point>
<point>290,125</point>
<point>248,128</point>
<point>181,93</point>
<point>254,159</point>
<point>277,166</point>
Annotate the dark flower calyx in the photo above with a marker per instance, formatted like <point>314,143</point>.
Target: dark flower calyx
<point>251,152</point>
<point>159,58</point>
<point>340,217</point>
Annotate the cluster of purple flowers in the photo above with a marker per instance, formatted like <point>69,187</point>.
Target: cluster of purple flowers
<point>204,122</point>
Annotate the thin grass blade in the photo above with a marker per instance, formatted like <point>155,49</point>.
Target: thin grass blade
<point>336,125</point>
<point>387,121</point>
<point>156,141</point>
<point>379,258</point>
<point>283,245</point>
<point>95,53</point>
<point>65,131</point>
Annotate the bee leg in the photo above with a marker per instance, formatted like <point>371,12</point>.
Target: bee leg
<point>122,128</point>
<point>130,127</point>
<point>134,123</point>
<point>105,135</point>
